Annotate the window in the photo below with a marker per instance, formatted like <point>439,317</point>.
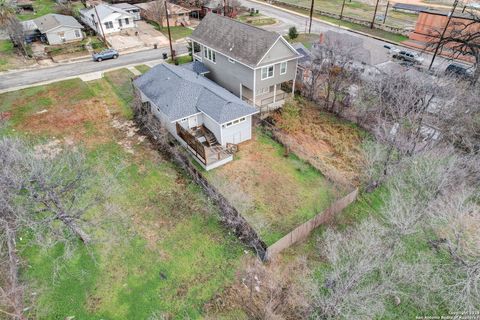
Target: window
<point>77,33</point>
<point>108,24</point>
<point>231,60</point>
<point>120,22</point>
<point>231,123</point>
<point>126,21</point>
<point>267,72</point>
<point>209,54</point>
<point>283,68</point>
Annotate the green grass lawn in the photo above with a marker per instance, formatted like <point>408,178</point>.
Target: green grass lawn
<point>257,20</point>
<point>359,10</point>
<point>142,68</point>
<point>274,191</point>
<point>177,33</point>
<point>181,59</point>
<point>41,7</point>
<point>165,247</point>
<point>307,39</point>
<point>394,37</point>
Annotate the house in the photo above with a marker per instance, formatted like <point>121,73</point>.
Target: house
<point>106,19</point>
<point>304,63</point>
<point>205,118</point>
<point>214,6</point>
<point>254,64</point>
<point>177,15</point>
<point>130,8</point>
<point>430,24</point>
<point>54,28</point>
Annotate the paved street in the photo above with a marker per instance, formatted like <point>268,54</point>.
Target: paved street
<point>30,77</point>
<point>286,20</point>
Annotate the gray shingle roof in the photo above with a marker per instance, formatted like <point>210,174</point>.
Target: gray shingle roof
<point>196,66</point>
<point>104,10</point>
<point>52,20</point>
<point>179,93</point>
<point>306,55</point>
<point>243,42</point>
<point>124,6</point>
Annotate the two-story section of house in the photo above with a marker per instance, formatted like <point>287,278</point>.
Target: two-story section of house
<point>250,62</point>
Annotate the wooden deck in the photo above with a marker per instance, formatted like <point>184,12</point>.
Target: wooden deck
<point>198,145</point>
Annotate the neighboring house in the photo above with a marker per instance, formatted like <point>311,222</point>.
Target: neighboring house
<point>177,15</point>
<point>214,6</point>
<point>105,19</point>
<point>431,23</point>
<point>304,64</point>
<point>205,118</point>
<point>130,8</point>
<point>54,28</point>
<point>250,62</point>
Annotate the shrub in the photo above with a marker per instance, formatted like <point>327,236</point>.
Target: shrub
<point>289,120</point>
<point>292,33</point>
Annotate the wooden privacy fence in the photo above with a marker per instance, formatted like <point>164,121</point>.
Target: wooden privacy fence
<point>302,231</point>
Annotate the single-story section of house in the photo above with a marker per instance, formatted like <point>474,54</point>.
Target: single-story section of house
<point>177,15</point>
<point>205,118</point>
<point>105,19</point>
<point>130,8</point>
<point>55,28</point>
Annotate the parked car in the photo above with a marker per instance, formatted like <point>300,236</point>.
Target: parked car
<point>408,56</point>
<point>459,70</point>
<point>105,54</point>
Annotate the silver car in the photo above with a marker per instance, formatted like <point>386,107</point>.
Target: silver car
<point>408,56</point>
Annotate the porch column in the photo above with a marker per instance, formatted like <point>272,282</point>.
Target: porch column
<point>274,92</point>
<point>293,87</point>
<point>254,94</point>
<point>241,92</point>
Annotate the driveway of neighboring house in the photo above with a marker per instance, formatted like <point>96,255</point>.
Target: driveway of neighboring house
<point>142,37</point>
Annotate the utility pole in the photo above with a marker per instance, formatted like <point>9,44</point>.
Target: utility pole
<point>374,15</point>
<point>450,15</point>
<point>169,35</point>
<point>341,11</point>
<point>386,12</point>
<point>311,14</point>
<point>101,27</point>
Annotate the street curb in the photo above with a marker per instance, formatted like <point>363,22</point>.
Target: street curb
<point>329,23</point>
<point>77,76</point>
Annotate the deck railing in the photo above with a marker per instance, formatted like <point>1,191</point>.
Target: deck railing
<point>267,100</point>
<point>194,145</point>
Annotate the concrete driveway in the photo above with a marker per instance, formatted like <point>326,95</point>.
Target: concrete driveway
<point>143,36</point>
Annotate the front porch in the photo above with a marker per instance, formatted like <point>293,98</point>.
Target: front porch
<point>266,100</point>
<point>205,148</point>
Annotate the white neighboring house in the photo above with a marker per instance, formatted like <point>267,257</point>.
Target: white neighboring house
<point>130,8</point>
<point>58,28</point>
<point>112,19</point>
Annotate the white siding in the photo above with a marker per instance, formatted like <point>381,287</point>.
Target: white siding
<point>237,133</point>
<point>63,34</point>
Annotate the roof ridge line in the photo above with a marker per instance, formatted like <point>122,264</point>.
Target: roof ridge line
<point>216,94</point>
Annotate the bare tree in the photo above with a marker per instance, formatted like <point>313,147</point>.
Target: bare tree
<point>46,194</point>
<point>463,38</point>
<point>332,69</point>
<point>156,12</point>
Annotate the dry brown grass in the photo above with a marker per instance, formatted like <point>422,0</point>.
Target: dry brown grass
<point>277,290</point>
<point>331,145</point>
